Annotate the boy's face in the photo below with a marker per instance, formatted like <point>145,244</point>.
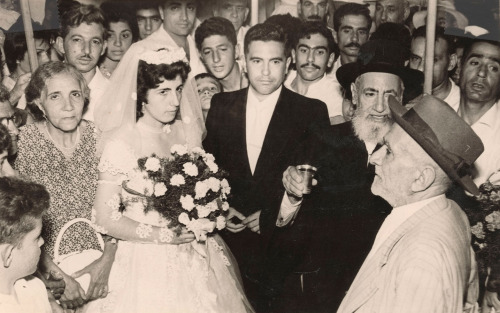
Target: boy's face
<point>25,256</point>
<point>207,88</point>
<point>218,55</point>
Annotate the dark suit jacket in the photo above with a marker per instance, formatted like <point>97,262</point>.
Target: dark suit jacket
<point>287,142</point>
<point>333,231</point>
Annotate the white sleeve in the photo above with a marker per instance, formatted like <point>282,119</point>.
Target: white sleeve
<point>288,211</point>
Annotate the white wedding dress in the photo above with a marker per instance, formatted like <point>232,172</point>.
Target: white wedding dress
<point>193,277</point>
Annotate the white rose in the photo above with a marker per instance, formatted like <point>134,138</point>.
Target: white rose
<point>160,189</point>
<point>225,206</point>
<point>190,169</point>
<point>177,180</point>
<point>201,189</point>
<point>179,149</point>
<point>184,219</point>
<point>212,206</point>
<point>209,157</point>
<point>221,222</point>
<point>152,164</point>
<point>214,184</point>
<point>149,187</point>
<point>212,166</point>
<point>226,189</point>
<point>203,211</point>
<point>198,150</point>
<point>187,202</point>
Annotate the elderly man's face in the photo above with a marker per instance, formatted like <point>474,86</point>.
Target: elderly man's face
<point>480,75</point>
<point>372,118</point>
<point>395,11</point>
<point>395,166</point>
<point>312,57</point>
<point>313,10</point>
<point>236,11</point>
<point>443,62</point>
<point>178,16</point>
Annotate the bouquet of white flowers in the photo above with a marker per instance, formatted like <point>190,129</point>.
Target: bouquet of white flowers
<point>188,189</point>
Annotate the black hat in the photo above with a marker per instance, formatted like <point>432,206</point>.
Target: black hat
<point>384,56</point>
<point>443,134</point>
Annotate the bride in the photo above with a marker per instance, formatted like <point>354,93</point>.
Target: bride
<point>153,270</point>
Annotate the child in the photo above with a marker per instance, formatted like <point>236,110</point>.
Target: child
<point>22,205</point>
<point>207,86</point>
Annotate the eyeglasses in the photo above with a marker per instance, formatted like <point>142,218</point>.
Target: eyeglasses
<point>15,118</point>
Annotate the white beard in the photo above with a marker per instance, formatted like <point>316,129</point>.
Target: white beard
<point>368,130</point>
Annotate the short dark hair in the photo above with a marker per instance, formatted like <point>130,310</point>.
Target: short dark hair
<point>440,34</point>
<point>214,26</point>
<point>38,84</point>
<point>267,32</point>
<point>146,4</point>
<point>311,28</point>
<point>5,139</point>
<point>15,46</point>
<point>150,76</point>
<point>22,204</point>
<point>4,94</point>
<point>73,14</point>
<point>115,12</point>
<point>218,2</point>
<point>208,75</point>
<point>351,9</point>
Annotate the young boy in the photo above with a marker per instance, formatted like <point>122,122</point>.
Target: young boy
<point>207,86</point>
<point>22,205</point>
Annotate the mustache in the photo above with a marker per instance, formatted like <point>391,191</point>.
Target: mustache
<point>310,64</point>
<point>353,45</point>
<point>314,17</point>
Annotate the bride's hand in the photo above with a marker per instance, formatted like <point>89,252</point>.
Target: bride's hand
<point>184,237</point>
<point>99,274</point>
<point>73,296</point>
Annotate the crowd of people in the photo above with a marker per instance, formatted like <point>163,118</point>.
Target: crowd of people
<point>332,86</point>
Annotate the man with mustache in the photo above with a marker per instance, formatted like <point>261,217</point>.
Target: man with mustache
<point>313,10</point>
<point>313,53</point>
<point>82,42</point>
<point>333,228</point>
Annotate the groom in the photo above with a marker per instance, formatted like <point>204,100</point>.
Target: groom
<point>254,134</point>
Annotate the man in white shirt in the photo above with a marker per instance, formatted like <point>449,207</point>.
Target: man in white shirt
<point>216,40</point>
<point>445,60</point>
<point>82,42</point>
<point>236,11</point>
<point>421,259</point>
<point>313,54</point>
<point>254,134</point>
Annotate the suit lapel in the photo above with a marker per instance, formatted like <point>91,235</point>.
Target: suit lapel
<point>277,136</point>
<point>238,129</point>
<point>367,280</point>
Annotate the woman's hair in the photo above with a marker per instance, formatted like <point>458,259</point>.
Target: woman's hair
<point>15,47</point>
<point>38,85</point>
<point>150,76</point>
<point>22,203</point>
<point>121,12</point>
<point>5,140</point>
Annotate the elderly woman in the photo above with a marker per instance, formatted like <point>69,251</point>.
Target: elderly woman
<point>59,152</point>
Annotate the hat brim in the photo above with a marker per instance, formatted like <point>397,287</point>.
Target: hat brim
<point>419,18</point>
<point>412,79</point>
<point>398,111</point>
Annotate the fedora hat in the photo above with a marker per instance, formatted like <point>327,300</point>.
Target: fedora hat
<point>419,18</point>
<point>382,56</point>
<point>443,134</point>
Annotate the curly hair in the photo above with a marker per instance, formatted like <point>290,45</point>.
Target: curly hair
<point>214,26</point>
<point>5,139</point>
<point>73,14</point>
<point>38,84</point>
<point>15,46</point>
<point>150,76</point>
<point>119,12</point>
<point>22,204</point>
<point>311,28</point>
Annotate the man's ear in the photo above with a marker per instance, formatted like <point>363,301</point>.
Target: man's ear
<point>294,56</point>
<point>39,104</point>
<point>424,178</point>
<point>354,92</point>
<point>160,9</point>
<point>331,59</point>
<point>299,8</point>
<point>453,61</point>
<point>59,45</point>
<point>288,61</point>
<point>335,37</point>
<point>247,10</point>
<point>6,254</point>
<point>104,46</point>
<point>407,10</point>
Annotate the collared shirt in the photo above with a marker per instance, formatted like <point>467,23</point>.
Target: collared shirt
<point>398,216</point>
<point>453,98</point>
<point>258,117</point>
<point>31,298</point>
<point>161,36</point>
<point>98,85</point>
<point>326,89</point>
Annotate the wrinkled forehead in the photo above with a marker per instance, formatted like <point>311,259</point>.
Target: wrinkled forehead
<point>147,12</point>
<point>395,3</point>
<point>484,49</point>
<point>303,2</point>
<point>380,81</point>
<point>243,3</point>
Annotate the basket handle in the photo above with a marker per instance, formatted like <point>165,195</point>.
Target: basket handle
<point>68,225</point>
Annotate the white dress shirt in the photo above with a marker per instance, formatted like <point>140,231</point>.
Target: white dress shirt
<point>98,85</point>
<point>453,98</point>
<point>397,217</point>
<point>31,297</point>
<point>326,89</point>
<point>258,117</point>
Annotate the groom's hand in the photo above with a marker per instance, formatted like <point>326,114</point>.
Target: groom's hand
<point>253,222</point>
<point>231,225</point>
<point>292,181</point>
